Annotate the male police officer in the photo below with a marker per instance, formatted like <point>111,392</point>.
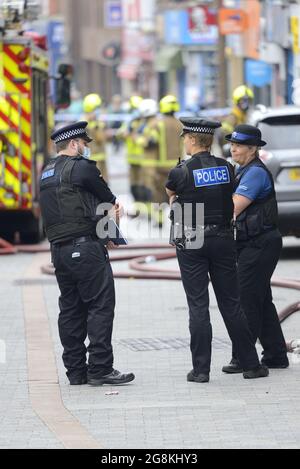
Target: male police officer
<point>71,189</point>
<point>207,180</point>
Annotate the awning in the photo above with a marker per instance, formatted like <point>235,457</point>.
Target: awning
<point>169,57</point>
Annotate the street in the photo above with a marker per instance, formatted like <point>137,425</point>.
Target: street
<point>163,136</point>
<point>160,409</point>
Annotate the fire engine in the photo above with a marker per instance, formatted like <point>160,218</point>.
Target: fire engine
<point>24,90</point>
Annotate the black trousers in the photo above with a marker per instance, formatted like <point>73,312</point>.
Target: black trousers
<point>257,260</point>
<point>217,258</point>
<point>86,303</point>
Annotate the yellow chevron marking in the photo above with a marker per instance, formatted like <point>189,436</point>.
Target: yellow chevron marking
<point>13,67</point>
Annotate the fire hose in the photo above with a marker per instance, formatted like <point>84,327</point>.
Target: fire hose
<point>142,268</point>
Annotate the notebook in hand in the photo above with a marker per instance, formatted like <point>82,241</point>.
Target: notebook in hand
<point>115,234</point>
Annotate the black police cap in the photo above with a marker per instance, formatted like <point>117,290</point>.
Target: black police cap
<point>198,125</point>
<point>76,130</point>
<point>245,134</point>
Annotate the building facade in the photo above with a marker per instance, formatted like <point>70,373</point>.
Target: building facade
<point>189,48</point>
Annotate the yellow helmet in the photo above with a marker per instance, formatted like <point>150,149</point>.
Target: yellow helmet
<point>169,104</point>
<point>91,102</point>
<point>135,102</point>
<point>242,92</point>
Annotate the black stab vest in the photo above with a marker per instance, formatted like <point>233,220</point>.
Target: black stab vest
<point>262,215</point>
<point>67,210</point>
<point>217,198</point>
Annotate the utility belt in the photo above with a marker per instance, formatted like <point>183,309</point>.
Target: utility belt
<point>74,241</point>
<point>190,237</point>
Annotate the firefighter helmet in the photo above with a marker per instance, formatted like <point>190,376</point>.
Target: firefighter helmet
<point>135,102</point>
<point>148,108</point>
<point>242,92</point>
<point>169,104</point>
<point>91,102</point>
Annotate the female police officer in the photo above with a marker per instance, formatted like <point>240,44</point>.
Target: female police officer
<point>258,243</point>
<point>207,180</point>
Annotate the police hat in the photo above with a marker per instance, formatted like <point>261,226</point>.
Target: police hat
<point>68,132</point>
<point>197,125</point>
<point>246,135</point>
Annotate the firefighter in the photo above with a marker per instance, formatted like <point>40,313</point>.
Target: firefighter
<point>146,138</point>
<point>128,133</point>
<point>71,189</point>
<point>163,149</point>
<point>170,144</point>
<point>242,98</point>
<point>91,103</point>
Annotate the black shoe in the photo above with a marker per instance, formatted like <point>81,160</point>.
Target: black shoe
<point>275,363</point>
<point>78,381</point>
<point>259,372</point>
<point>233,367</point>
<point>115,378</point>
<point>199,378</point>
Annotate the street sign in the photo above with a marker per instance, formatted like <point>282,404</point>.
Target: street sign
<point>113,14</point>
<point>232,21</point>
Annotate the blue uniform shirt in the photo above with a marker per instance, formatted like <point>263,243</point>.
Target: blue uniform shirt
<point>255,184</point>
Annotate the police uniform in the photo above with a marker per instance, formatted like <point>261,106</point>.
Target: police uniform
<point>71,188</point>
<point>205,179</point>
<point>259,244</point>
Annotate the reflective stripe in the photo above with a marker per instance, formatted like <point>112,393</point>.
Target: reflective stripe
<point>98,157</point>
<point>227,127</point>
<point>158,164</point>
<point>162,142</point>
<point>162,161</point>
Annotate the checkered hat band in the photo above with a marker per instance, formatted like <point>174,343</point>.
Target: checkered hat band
<point>69,134</point>
<point>203,130</point>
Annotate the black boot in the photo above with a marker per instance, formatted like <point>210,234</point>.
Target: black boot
<point>233,367</point>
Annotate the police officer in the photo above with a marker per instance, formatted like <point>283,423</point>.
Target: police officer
<point>71,189</point>
<point>258,243</point>
<point>207,180</point>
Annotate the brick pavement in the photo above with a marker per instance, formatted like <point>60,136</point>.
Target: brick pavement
<point>159,409</point>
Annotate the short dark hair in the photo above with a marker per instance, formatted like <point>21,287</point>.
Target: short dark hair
<point>60,146</point>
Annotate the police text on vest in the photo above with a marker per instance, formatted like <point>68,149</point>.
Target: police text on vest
<point>211,176</point>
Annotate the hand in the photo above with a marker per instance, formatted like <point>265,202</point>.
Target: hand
<point>111,245</point>
<point>119,210</point>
